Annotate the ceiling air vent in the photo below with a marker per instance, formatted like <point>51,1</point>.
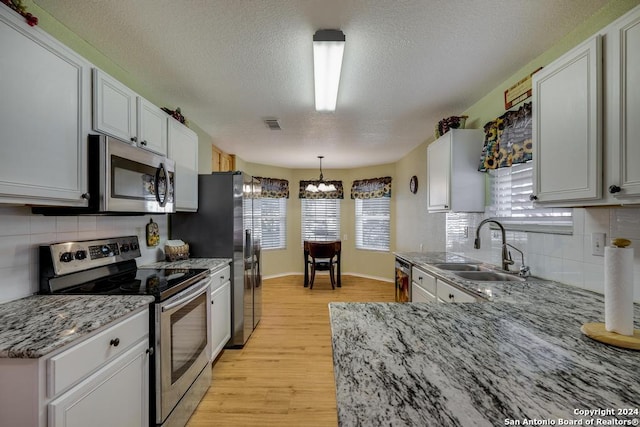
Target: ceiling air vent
<point>272,124</point>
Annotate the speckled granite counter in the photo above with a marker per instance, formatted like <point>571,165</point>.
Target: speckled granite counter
<point>520,356</point>
<point>37,325</point>
<point>212,264</point>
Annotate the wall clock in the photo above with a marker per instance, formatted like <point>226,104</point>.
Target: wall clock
<point>413,184</point>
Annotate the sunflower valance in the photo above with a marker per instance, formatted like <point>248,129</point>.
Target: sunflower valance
<point>507,139</point>
<point>371,188</point>
<point>273,188</point>
<point>337,194</point>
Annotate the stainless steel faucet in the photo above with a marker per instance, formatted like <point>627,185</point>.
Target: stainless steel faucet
<point>506,257</point>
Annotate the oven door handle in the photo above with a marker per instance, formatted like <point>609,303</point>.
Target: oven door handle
<point>190,296</point>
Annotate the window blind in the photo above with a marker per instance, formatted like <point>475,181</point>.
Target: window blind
<point>274,223</point>
<point>320,219</point>
<point>510,189</point>
<point>373,218</point>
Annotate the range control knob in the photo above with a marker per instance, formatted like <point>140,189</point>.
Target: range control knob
<point>133,246</point>
<point>124,247</point>
<point>66,257</point>
<point>81,254</point>
<point>105,250</point>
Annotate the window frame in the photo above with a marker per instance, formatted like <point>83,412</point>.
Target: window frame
<point>360,217</point>
<point>280,218</point>
<point>321,212</point>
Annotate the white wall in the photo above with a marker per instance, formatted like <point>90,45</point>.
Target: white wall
<point>563,258</point>
<point>21,233</point>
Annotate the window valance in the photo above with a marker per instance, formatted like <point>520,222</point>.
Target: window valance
<point>304,194</point>
<point>507,139</point>
<point>371,188</point>
<point>274,188</point>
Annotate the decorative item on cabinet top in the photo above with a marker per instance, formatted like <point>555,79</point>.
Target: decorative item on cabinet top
<point>22,10</point>
<point>176,114</point>
<point>453,122</point>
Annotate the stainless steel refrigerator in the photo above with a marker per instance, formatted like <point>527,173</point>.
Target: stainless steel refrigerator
<point>227,225</point>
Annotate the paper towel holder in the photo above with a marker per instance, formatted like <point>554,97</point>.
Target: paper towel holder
<point>596,331</point>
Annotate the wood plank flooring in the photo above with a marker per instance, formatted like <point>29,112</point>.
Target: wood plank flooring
<point>284,374</point>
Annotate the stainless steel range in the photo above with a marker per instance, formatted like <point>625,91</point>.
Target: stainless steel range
<point>180,316</point>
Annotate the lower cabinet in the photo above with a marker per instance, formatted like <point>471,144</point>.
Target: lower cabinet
<point>220,310</point>
<point>427,288</point>
<point>101,381</point>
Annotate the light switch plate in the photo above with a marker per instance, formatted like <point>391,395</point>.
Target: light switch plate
<point>597,244</point>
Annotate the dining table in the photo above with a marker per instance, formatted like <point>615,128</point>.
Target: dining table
<point>337,243</point>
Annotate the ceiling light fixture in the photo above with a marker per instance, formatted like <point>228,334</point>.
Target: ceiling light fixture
<point>328,48</point>
<point>322,185</point>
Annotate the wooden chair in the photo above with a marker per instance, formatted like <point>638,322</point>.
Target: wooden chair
<point>323,257</point>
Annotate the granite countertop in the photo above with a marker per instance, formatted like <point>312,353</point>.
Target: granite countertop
<point>519,356</point>
<point>213,264</point>
<point>34,326</point>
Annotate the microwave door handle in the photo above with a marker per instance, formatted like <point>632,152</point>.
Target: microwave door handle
<point>161,168</point>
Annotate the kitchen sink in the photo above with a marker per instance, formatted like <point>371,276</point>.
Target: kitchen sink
<point>489,276</point>
<point>456,266</point>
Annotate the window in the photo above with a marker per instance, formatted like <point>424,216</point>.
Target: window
<point>373,219</point>
<point>274,223</point>
<point>510,189</point>
<point>320,219</point>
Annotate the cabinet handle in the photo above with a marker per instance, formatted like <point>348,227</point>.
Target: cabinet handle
<point>221,277</point>
<point>86,196</point>
<point>451,296</point>
<point>446,206</point>
<point>150,351</point>
<point>115,342</point>
<point>143,142</point>
<point>134,139</point>
<point>614,189</point>
<point>533,197</point>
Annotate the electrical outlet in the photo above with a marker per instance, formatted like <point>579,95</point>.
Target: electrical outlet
<point>344,237</point>
<point>466,232</point>
<point>597,244</point>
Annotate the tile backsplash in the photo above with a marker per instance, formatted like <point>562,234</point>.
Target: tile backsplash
<point>22,232</point>
<point>563,258</point>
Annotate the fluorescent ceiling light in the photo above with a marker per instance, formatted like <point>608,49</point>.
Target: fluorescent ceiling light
<point>328,48</point>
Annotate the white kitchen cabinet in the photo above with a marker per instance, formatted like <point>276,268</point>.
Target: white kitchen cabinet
<point>423,286</point>
<point>567,140</point>
<point>152,127</point>
<point>103,380</point>
<point>220,310</point>
<point>453,181</point>
<point>622,100</point>
<point>183,149</point>
<point>44,117</point>
<point>449,293</point>
<point>120,112</point>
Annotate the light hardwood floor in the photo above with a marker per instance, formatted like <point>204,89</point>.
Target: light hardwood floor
<point>284,374</point>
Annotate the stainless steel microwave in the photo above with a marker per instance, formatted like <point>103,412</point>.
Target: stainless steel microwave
<point>123,180</point>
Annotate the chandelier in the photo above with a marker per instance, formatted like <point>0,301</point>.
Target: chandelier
<point>320,185</point>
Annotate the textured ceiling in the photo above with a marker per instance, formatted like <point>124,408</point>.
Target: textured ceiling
<point>229,64</point>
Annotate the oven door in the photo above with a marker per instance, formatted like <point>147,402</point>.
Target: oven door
<point>182,344</point>
<point>136,180</point>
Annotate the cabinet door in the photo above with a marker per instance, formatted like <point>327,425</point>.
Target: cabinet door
<point>623,106</point>
<point>45,90</point>
<point>114,107</point>
<point>448,293</point>
<point>438,173</point>
<point>183,149</point>
<point>220,318</point>
<point>567,143</point>
<point>419,294</point>
<point>152,127</point>
<point>117,395</point>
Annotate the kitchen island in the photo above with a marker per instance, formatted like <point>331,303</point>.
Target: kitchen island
<point>516,358</point>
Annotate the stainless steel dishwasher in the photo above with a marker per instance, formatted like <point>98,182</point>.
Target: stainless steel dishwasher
<point>403,280</point>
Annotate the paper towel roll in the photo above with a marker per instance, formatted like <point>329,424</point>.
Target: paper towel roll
<point>618,290</point>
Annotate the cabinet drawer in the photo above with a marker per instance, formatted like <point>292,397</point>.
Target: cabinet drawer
<point>219,277</point>
<point>74,364</point>
<point>419,294</point>
<point>425,280</point>
<point>448,293</point>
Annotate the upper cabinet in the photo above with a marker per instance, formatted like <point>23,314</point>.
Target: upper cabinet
<point>622,53</point>
<point>121,113</point>
<point>586,127</point>
<point>183,149</point>
<point>44,117</point>
<point>453,181</point>
<point>567,139</point>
